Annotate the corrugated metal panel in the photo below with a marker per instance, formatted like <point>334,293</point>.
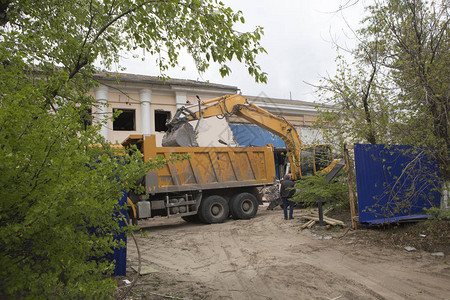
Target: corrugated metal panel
<point>394,183</point>
<point>120,255</point>
<point>250,135</point>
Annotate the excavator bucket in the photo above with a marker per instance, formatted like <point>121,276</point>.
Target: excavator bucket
<point>180,135</point>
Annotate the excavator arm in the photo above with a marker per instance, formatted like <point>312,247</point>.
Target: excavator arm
<point>179,134</point>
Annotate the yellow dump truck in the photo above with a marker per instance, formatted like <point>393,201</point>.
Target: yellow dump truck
<point>214,183</point>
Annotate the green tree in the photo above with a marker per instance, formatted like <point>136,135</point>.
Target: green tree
<point>311,189</point>
<point>396,90</point>
<point>356,107</point>
<point>58,190</point>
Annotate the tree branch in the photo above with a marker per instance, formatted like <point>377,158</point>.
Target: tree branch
<point>83,61</point>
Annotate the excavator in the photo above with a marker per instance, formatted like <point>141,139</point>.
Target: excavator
<point>303,161</point>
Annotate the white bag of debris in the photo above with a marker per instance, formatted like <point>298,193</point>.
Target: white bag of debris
<point>214,132</point>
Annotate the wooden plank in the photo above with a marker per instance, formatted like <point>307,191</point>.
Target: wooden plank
<point>327,211</point>
<point>326,219</point>
<point>307,224</point>
<point>350,186</point>
<point>311,223</point>
<point>338,222</point>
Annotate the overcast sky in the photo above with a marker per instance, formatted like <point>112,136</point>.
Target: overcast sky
<point>298,37</point>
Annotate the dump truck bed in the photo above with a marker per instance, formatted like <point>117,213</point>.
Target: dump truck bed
<point>207,168</point>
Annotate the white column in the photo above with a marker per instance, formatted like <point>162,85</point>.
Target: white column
<point>101,95</point>
<point>180,98</point>
<point>145,95</point>
<point>445,196</point>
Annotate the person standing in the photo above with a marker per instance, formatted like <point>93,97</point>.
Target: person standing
<point>286,192</point>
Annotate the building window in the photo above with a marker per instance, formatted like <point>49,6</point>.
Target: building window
<point>126,121</point>
<point>85,116</point>
<point>161,118</point>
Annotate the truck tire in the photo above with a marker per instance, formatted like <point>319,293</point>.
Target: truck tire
<point>243,206</point>
<point>213,209</point>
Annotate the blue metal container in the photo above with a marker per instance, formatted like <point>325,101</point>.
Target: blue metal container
<point>394,183</point>
<point>120,255</point>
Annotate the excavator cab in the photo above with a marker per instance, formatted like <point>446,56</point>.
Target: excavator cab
<point>322,157</point>
<point>315,159</point>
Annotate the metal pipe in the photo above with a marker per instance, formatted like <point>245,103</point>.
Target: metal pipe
<point>321,222</point>
<point>199,115</point>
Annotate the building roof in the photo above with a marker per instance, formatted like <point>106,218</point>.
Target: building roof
<point>156,80</point>
<point>275,105</point>
<point>269,100</point>
<point>284,106</point>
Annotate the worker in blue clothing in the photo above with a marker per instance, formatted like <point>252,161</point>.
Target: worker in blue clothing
<point>286,192</point>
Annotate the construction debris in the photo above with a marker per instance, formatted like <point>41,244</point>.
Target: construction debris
<point>409,248</point>
<point>181,135</point>
<point>313,217</point>
<point>326,219</point>
<point>272,194</point>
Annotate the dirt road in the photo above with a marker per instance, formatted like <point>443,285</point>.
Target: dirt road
<point>269,258</point>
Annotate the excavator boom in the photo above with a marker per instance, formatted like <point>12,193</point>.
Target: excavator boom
<point>181,133</point>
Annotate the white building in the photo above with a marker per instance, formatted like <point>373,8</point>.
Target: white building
<point>147,102</point>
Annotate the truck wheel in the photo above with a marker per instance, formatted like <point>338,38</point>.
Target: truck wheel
<point>191,219</point>
<point>243,206</point>
<point>213,209</point>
